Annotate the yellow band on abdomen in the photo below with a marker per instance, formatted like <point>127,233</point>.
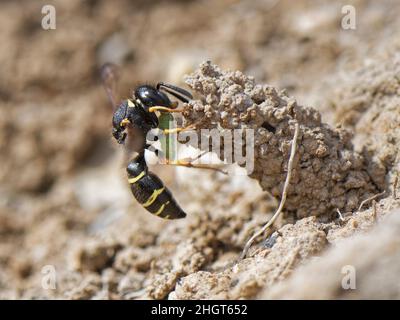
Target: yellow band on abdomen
<point>161,210</point>
<point>153,197</point>
<point>137,178</point>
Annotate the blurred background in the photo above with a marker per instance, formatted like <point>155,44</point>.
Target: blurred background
<point>64,201</point>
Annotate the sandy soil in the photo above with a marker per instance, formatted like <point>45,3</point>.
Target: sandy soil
<point>65,206</point>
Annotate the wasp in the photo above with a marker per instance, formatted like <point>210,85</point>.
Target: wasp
<point>131,122</point>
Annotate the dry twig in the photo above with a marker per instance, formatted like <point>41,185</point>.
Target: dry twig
<point>340,214</point>
<point>283,199</point>
<point>369,199</point>
<point>396,181</point>
<point>374,210</point>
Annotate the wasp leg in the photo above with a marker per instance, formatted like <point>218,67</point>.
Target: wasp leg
<point>176,130</point>
<point>164,109</point>
<point>188,163</point>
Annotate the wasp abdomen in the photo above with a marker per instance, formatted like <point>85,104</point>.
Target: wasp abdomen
<point>151,193</point>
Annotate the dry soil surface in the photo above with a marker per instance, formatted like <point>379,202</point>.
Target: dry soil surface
<point>66,213</point>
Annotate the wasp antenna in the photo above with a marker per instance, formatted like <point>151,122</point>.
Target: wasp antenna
<point>177,95</point>
<point>181,91</point>
<point>109,77</point>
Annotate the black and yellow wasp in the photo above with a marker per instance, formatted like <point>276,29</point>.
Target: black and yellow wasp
<point>132,120</point>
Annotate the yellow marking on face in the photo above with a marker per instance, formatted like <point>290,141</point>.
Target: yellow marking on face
<point>153,197</point>
<point>137,178</point>
<point>124,122</point>
<point>131,104</point>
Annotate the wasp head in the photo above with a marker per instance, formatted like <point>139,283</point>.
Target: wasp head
<point>119,122</point>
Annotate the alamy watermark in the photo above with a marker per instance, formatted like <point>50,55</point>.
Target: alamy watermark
<point>230,146</point>
<point>349,17</point>
<point>49,18</point>
<point>349,279</point>
<point>49,277</point>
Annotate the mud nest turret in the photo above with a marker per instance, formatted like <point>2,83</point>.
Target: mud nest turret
<point>328,174</point>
